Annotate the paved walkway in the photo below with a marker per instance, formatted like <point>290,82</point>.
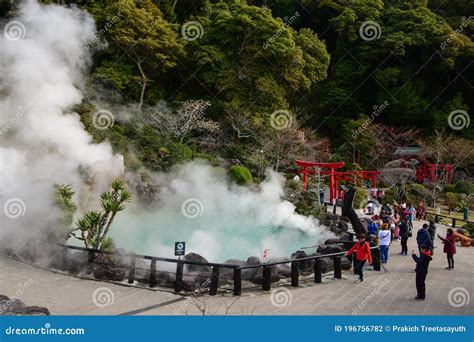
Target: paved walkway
<point>389,292</point>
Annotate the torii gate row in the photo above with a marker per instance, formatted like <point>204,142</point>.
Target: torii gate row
<point>308,168</point>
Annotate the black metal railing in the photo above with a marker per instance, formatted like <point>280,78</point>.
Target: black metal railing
<point>436,217</point>
<point>216,267</point>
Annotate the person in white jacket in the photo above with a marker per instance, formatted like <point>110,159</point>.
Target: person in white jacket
<point>384,242</point>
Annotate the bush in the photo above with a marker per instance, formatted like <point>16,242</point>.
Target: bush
<point>470,228</point>
<point>361,197</point>
<point>464,187</point>
<point>241,175</point>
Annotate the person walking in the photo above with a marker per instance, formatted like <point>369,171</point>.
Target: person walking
<point>449,247</point>
<point>384,242</point>
<point>423,237</point>
<point>404,235</point>
<point>422,264</point>
<point>362,254</point>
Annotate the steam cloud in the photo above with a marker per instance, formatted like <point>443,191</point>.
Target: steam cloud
<point>218,220</point>
<point>41,142</point>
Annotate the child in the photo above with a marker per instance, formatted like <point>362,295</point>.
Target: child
<point>384,241</point>
<point>362,254</point>
<point>449,247</point>
<point>422,263</point>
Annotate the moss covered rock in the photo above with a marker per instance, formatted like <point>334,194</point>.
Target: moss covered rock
<point>240,175</point>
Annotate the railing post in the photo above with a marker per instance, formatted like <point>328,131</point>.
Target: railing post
<point>337,267</point>
<point>65,259</point>
<point>454,222</point>
<point>267,278</point>
<point>152,279</point>
<point>354,263</point>
<point>131,270</point>
<point>317,271</point>
<point>178,283</point>
<point>436,218</point>
<point>376,258</point>
<point>294,274</point>
<point>214,281</point>
<point>237,281</point>
<point>334,209</point>
<point>90,261</point>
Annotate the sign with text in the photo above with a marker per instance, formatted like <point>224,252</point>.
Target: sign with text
<point>179,248</point>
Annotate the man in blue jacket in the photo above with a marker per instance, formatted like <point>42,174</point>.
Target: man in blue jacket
<point>423,238</point>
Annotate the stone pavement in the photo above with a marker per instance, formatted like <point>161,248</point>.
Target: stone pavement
<point>389,292</point>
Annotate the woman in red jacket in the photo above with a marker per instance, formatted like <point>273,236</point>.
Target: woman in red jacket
<point>449,247</point>
<point>362,254</point>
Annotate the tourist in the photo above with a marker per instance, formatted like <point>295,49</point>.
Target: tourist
<point>404,235</point>
<point>411,217</point>
<point>422,263</point>
<point>384,242</point>
<point>362,254</point>
<point>449,247</point>
<point>432,232</point>
<point>421,211</point>
<point>423,237</point>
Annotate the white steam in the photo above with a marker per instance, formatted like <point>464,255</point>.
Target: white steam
<point>196,204</point>
<point>41,142</point>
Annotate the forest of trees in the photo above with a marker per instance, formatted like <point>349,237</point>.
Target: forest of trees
<point>243,79</point>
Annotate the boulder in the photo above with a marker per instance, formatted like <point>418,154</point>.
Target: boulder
<point>306,266</point>
<point>15,307</point>
<point>343,225</point>
<point>329,249</point>
<point>196,269</point>
<point>253,260</point>
<point>106,272</point>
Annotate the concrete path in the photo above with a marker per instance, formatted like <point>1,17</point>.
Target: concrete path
<point>388,292</point>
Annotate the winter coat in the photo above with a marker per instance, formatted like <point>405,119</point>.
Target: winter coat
<point>432,231</point>
<point>424,238</point>
<point>362,251</point>
<point>449,244</point>
<point>422,262</point>
<point>403,229</point>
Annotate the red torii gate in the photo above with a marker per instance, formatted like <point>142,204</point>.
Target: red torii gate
<point>430,171</point>
<point>309,168</point>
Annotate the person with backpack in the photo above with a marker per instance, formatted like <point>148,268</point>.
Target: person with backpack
<point>404,235</point>
<point>362,254</point>
<point>422,264</point>
<point>449,247</point>
<point>384,242</point>
<point>423,237</point>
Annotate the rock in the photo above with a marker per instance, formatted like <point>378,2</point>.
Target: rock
<point>15,307</point>
<point>253,260</point>
<point>105,272</point>
<point>165,279</point>
<point>343,226</point>
<point>306,266</point>
<point>331,241</point>
<point>327,265</point>
<point>346,264</point>
<point>196,269</point>
<point>329,249</point>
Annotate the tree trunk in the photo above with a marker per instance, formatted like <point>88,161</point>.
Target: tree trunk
<point>144,85</point>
